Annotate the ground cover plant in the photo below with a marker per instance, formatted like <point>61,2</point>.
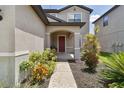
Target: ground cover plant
<point>113,74</point>
<point>40,66</point>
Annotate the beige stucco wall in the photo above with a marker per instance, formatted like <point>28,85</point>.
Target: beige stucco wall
<point>114,32</point>
<point>7,28</point>
<point>20,30</point>
<point>7,44</point>
<point>29,34</point>
<point>30,30</point>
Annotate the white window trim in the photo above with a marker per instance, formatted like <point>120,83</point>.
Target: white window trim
<point>58,43</point>
<point>74,13</point>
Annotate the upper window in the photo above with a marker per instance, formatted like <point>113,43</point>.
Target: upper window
<point>74,17</point>
<point>105,21</point>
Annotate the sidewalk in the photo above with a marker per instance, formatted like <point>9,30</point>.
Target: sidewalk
<point>62,77</point>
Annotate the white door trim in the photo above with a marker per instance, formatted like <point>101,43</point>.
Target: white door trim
<point>58,42</point>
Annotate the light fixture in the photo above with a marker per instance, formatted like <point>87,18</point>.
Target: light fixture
<point>1,16</point>
<point>74,9</point>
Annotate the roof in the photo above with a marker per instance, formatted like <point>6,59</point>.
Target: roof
<point>67,24</point>
<point>113,8</point>
<point>55,18</point>
<point>66,7</point>
<point>39,11</point>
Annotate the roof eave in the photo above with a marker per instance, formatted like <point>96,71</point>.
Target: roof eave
<point>39,11</point>
<point>66,7</point>
<point>114,7</point>
<point>66,24</point>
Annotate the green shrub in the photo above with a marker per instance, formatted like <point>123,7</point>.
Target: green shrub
<point>51,66</point>
<point>26,65</point>
<point>114,71</point>
<point>40,64</point>
<point>48,55</point>
<point>116,85</point>
<point>35,57</point>
<point>90,51</point>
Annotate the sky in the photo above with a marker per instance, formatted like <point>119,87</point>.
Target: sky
<point>98,10</point>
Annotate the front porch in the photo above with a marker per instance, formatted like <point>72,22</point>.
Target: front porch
<point>65,56</point>
<point>66,43</point>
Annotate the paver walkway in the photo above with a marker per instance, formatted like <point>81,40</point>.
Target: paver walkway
<point>62,77</point>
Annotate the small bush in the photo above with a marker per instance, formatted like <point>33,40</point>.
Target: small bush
<point>116,85</point>
<point>35,57</point>
<point>90,51</point>
<point>39,72</point>
<point>114,71</point>
<point>41,65</point>
<point>26,65</point>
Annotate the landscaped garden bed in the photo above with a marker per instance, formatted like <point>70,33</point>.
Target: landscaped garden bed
<point>37,69</point>
<point>86,79</point>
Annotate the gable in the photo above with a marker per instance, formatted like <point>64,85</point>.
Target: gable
<point>74,9</point>
<point>79,6</point>
<point>67,7</point>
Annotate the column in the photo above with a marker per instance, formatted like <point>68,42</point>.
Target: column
<point>47,40</point>
<point>77,46</point>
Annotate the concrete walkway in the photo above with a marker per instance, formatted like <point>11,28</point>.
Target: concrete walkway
<point>62,77</point>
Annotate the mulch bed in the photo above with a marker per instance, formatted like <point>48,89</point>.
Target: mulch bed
<point>86,79</point>
<point>43,84</point>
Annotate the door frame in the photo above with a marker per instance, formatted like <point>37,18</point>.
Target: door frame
<point>58,43</point>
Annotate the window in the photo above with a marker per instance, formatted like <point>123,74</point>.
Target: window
<point>74,17</point>
<point>105,21</point>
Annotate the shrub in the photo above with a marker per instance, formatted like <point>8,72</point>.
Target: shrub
<point>51,66</point>
<point>90,51</point>
<point>48,55</point>
<point>39,72</point>
<point>116,85</point>
<point>41,65</point>
<point>26,65</point>
<point>35,57</point>
<point>114,71</point>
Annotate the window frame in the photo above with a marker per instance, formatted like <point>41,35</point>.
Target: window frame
<point>105,21</point>
<point>73,14</point>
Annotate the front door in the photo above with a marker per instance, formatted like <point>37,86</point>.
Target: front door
<point>61,43</point>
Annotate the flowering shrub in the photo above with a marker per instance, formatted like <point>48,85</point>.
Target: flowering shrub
<point>90,51</point>
<point>39,72</point>
<point>41,65</point>
<point>35,57</point>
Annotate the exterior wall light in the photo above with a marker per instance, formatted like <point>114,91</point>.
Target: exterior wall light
<point>1,15</point>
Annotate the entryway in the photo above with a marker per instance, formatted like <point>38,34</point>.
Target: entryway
<point>65,56</point>
<point>61,43</point>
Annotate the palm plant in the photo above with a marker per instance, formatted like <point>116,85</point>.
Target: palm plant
<point>114,71</point>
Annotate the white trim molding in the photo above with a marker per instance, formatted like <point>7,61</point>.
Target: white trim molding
<point>6,54</point>
<point>76,33</point>
<point>20,53</point>
<point>10,54</point>
<point>47,33</point>
<point>76,48</point>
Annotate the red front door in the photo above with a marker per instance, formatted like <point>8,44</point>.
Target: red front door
<point>61,43</point>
